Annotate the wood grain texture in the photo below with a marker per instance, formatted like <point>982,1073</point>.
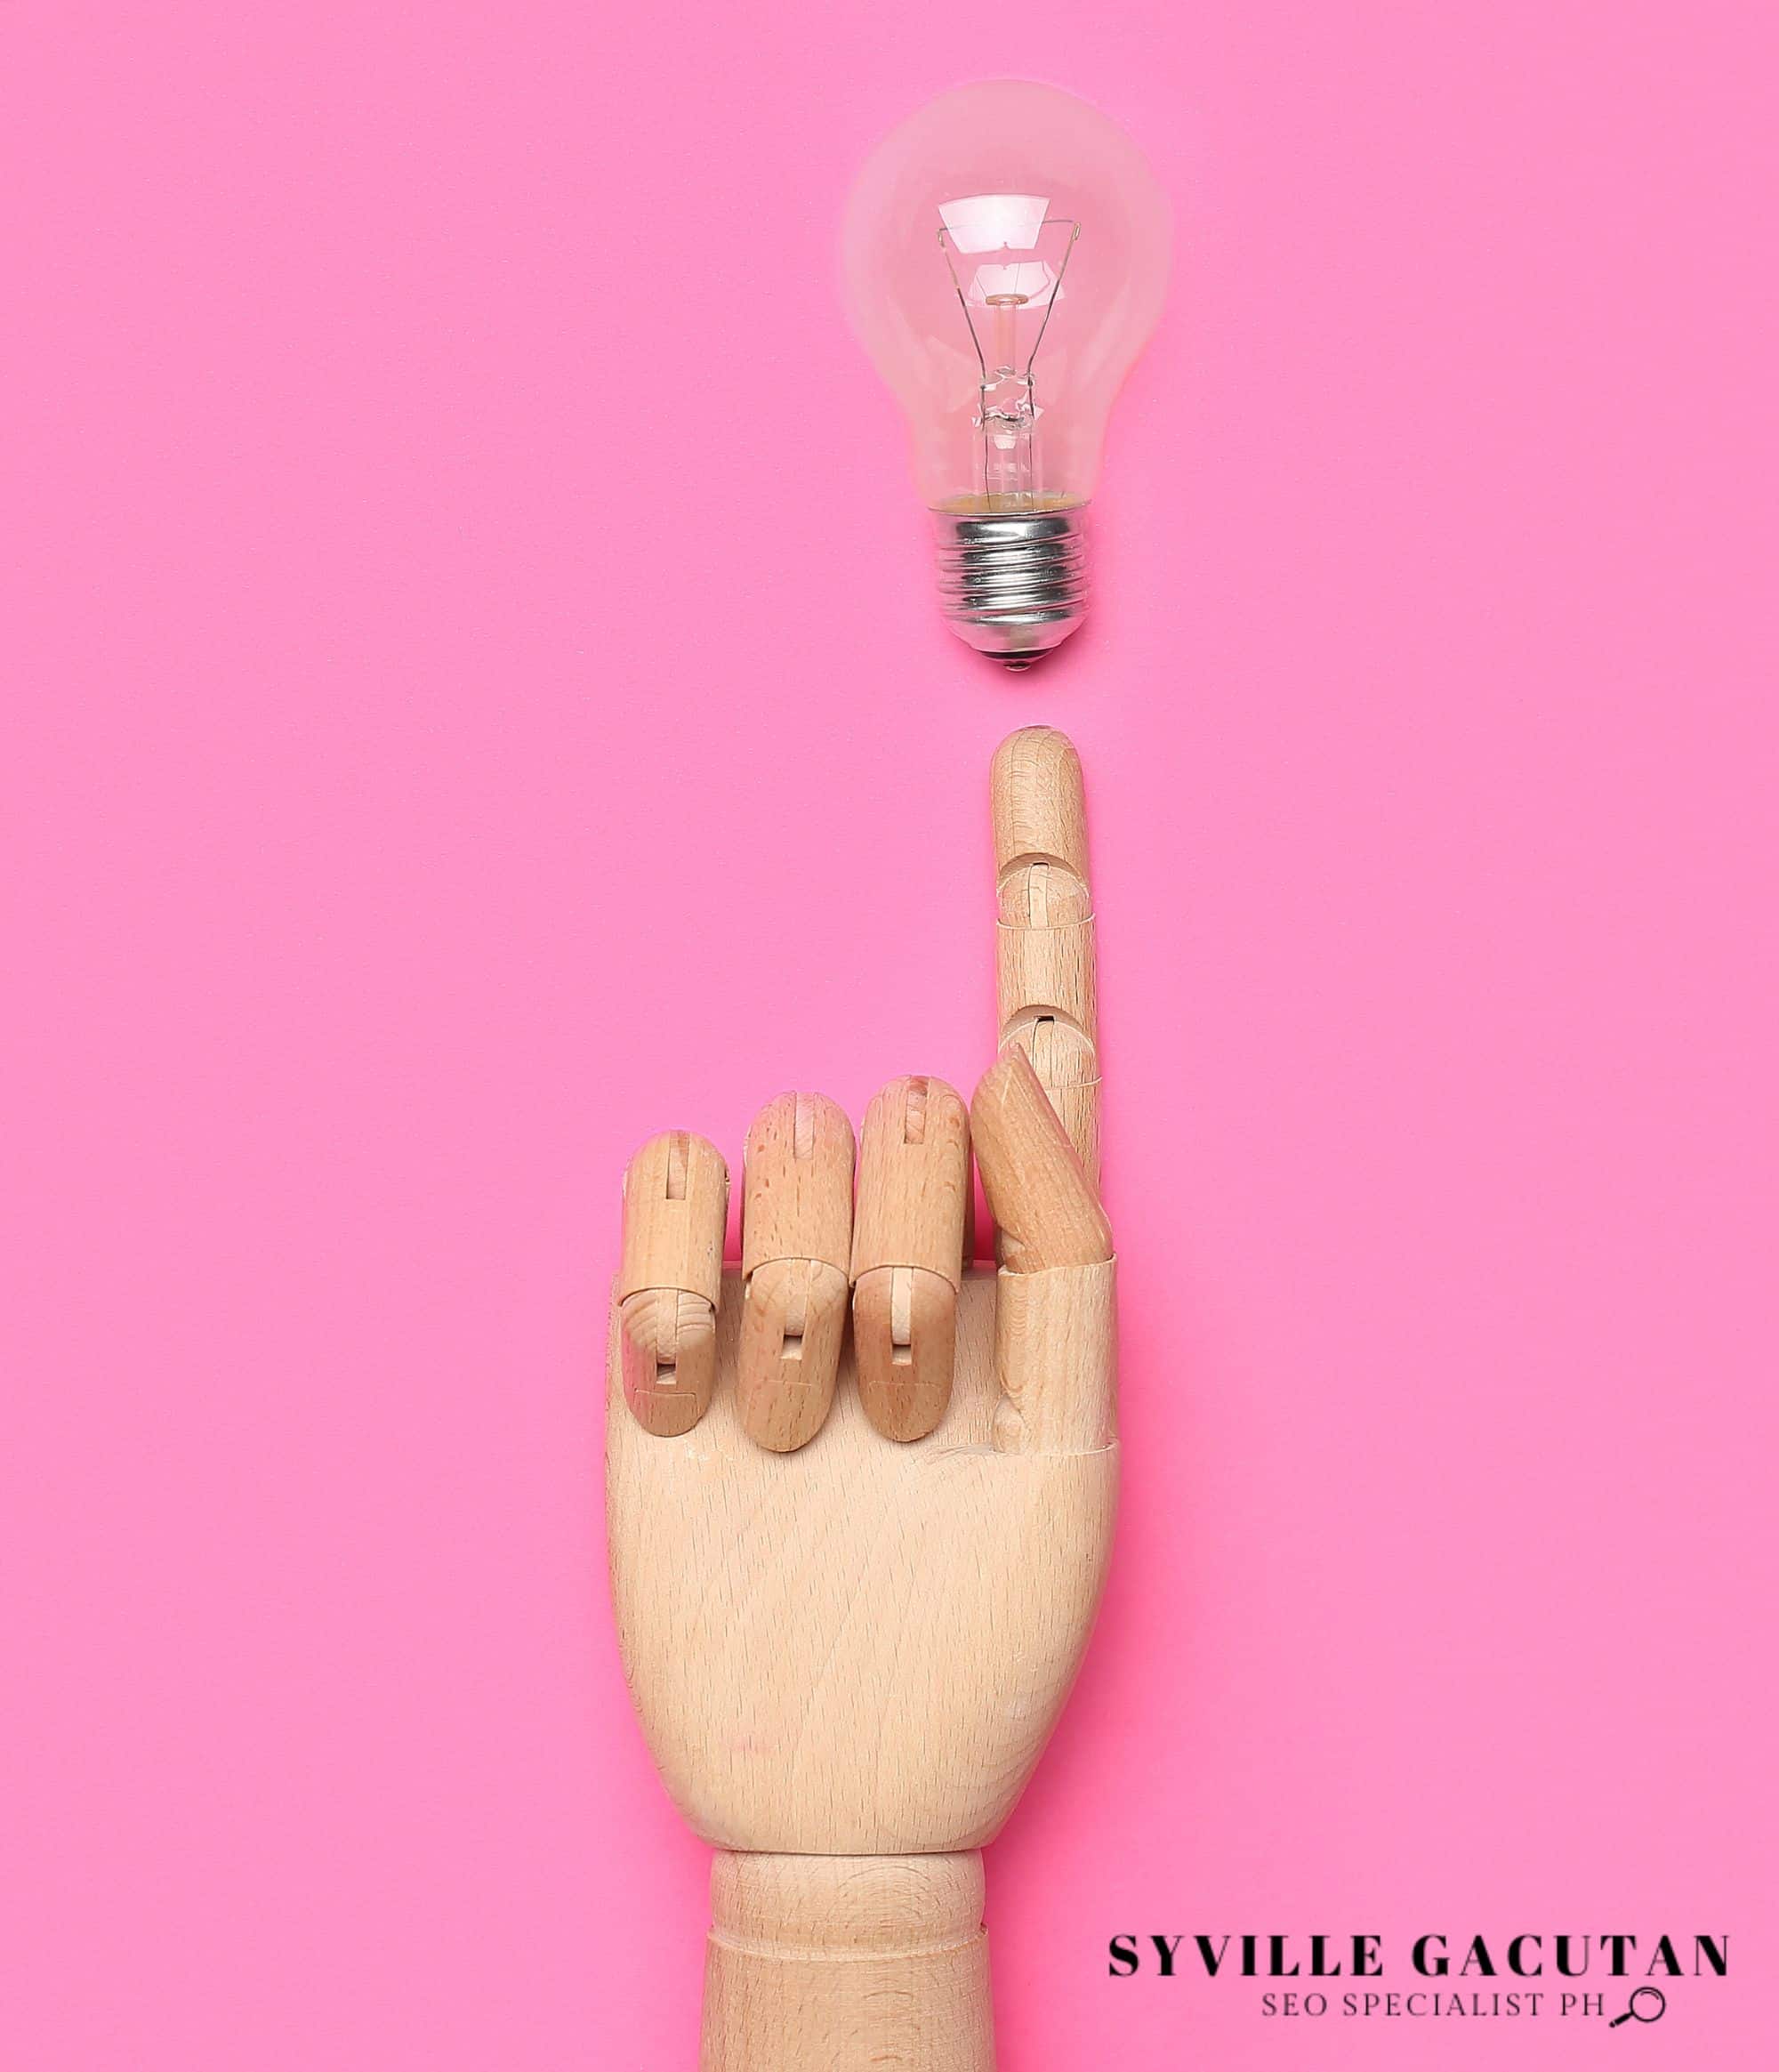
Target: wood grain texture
<point>1045,1207</point>
<point>675,1206</point>
<point>1055,1361</point>
<point>1045,960</point>
<point>793,1325</point>
<point>904,1347</point>
<point>669,1358</point>
<point>914,1178</point>
<point>1037,799</point>
<point>796,1242</point>
<point>670,1279</point>
<point>847,1659</point>
<point>908,1237</point>
<point>847,1964</point>
<point>797,1183</point>
<point>860,1649</point>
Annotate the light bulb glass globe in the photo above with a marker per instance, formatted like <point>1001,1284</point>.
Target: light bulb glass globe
<point>1006,253</point>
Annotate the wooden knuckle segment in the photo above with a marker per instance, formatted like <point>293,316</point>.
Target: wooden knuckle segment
<point>1046,986</point>
<point>670,1279</point>
<point>914,1181</point>
<point>1056,1051</point>
<point>669,1351</point>
<point>797,1183</point>
<point>909,1234</point>
<point>1040,1191</point>
<point>1077,1109</point>
<point>1039,892</point>
<point>1056,1353</point>
<point>793,1325</point>
<point>675,1209</point>
<point>1039,801</point>
<point>1047,971</point>
<point>905,1347</point>
<point>796,1243</point>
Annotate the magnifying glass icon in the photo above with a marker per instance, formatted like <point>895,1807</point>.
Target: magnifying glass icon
<point>1656,2010</point>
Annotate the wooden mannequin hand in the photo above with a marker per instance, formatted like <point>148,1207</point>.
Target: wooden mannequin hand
<point>847,1646</point>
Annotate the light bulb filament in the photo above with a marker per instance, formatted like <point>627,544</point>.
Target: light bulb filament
<point>1015,286</point>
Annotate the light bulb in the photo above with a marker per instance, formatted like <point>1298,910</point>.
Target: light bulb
<point>1006,253</point>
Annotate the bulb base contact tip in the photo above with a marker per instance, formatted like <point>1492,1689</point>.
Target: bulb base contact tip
<point>1013,583</point>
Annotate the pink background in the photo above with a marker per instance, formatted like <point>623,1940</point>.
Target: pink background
<point>474,698</point>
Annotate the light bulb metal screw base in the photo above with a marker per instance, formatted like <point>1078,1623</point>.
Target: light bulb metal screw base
<point>1013,583</point>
